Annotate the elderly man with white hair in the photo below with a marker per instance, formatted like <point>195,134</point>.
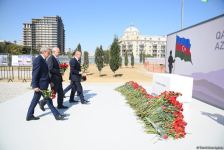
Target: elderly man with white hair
<point>40,81</point>
<point>56,78</point>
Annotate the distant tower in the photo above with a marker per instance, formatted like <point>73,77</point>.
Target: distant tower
<point>44,32</point>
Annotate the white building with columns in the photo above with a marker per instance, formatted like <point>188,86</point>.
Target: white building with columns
<point>133,41</point>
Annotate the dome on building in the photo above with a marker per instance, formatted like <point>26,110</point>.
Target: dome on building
<point>131,30</point>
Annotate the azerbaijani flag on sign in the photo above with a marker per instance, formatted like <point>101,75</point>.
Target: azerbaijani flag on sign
<point>183,49</point>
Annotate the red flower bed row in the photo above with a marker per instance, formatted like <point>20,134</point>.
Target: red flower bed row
<point>136,86</point>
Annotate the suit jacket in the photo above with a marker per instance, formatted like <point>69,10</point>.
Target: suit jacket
<point>54,70</point>
<point>75,68</point>
<point>40,73</point>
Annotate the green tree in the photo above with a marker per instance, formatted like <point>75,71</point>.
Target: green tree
<point>99,58</point>
<point>26,50</point>
<point>114,55</point>
<point>86,61</point>
<point>12,48</point>
<point>126,59</point>
<point>79,48</point>
<point>2,47</point>
<point>132,60</point>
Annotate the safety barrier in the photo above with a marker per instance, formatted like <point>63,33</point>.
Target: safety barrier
<point>6,73</point>
<point>24,73</point>
<point>12,73</point>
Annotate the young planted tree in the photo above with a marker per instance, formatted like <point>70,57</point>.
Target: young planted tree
<point>126,59</point>
<point>86,61</point>
<point>79,48</point>
<point>114,55</point>
<point>99,58</point>
<point>132,60</point>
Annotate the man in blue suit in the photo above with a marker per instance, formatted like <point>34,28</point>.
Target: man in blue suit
<point>40,81</point>
<point>76,76</point>
<point>69,87</point>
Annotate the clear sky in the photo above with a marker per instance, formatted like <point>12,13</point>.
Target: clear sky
<point>95,22</point>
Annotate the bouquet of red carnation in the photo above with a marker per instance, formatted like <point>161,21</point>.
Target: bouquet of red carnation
<point>63,67</point>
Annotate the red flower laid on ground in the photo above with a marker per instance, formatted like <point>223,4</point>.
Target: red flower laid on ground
<point>163,107</point>
<point>136,86</point>
<point>165,136</point>
<point>164,111</point>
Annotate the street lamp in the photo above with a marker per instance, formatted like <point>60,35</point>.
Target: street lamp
<point>182,13</point>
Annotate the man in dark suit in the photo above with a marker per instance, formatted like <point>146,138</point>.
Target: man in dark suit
<point>72,94</point>
<point>69,87</point>
<point>56,78</point>
<point>76,76</point>
<point>40,81</point>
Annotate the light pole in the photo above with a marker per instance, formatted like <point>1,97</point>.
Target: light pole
<point>182,13</point>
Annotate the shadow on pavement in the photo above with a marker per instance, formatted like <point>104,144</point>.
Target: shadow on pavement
<point>216,117</point>
<point>87,96</point>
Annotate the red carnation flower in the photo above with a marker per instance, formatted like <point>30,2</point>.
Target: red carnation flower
<point>165,136</point>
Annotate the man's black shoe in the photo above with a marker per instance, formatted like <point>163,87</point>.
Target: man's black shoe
<point>32,118</point>
<point>62,107</point>
<point>65,115</point>
<point>41,104</point>
<point>84,102</point>
<point>60,117</point>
